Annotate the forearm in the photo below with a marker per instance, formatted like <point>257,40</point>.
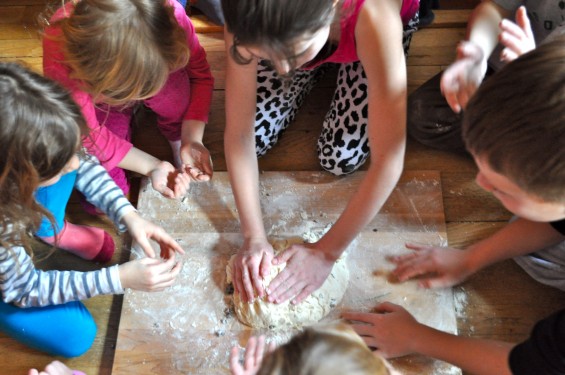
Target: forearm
<point>139,161</point>
<point>519,237</point>
<point>244,178</point>
<point>192,131</point>
<point>476,356</point>
<point>483,26</point>
<point>239,142</point>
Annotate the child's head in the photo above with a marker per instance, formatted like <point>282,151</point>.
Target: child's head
<point>514,126</point>
<point>40,132</point>
<point>325,349</point>
<point>288,33</point>
<point>123,50</point>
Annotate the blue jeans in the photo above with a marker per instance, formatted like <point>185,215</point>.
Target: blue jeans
<point>66,330</point>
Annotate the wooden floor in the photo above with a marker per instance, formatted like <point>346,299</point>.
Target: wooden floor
<point>500,302</point>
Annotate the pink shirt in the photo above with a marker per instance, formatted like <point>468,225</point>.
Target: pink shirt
<point>102,143</point>
<point>346,51</point>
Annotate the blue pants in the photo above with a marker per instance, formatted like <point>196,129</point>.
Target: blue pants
<point>55,198</point>
<point>66,330</point>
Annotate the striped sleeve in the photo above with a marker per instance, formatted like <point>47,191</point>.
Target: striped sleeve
<point>25,286</point>
<point>100,190</point>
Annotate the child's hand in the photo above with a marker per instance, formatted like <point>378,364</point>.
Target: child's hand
<point>517,38</point>
<point>392,331</point>
<point>306,270</point>
<point>254,352</point>
<point>252,263</point>
<point>55,368</point>
<point>462,78</point>
<point>142,230</point>
<point>435,267</point>
<point>168,181</point>
<point>196,161</point>
<point>149,274</point>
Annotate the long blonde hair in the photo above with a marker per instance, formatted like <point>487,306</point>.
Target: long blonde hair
<point>123,50</point>
<point>331,349</point>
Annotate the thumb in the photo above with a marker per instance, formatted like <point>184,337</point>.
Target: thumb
<point>284,257</point>
<point>144,243</point>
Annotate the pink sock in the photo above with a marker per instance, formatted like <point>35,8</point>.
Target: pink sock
<point>89,243</point>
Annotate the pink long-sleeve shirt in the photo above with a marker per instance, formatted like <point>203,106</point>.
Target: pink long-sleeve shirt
<point>102,143</point>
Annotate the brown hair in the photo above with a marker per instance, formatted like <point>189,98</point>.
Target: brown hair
<point>40,130</point>
<point>276,24</point>
<point>324,350</point>
<point>516,122</point>
<point>123,50</point>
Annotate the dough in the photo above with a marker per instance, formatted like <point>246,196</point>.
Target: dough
<point>263,314</point>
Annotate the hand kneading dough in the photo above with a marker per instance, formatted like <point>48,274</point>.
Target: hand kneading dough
<point>263,314</point>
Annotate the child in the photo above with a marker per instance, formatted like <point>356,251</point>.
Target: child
<point>332,348</point>
<point>435,120</point>
<point>40,133</point>
<point>275,50</point>
<point>113,55</point>
<point>520,151</point>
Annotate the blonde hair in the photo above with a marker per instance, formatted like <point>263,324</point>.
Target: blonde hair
<point>328,349</point>
<point>123,50</point>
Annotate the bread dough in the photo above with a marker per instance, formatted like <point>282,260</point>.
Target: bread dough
<point>263,314</point>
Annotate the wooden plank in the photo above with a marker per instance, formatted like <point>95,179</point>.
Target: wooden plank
<point>20,48</point>
<point>452,18</point>
<point>294,203</point>
<point>33,63</point>
<point>203,25</point>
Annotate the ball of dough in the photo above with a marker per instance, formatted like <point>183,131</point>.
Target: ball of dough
<point>263,314</point>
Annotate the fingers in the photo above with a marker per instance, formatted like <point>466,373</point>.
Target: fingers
<point>249,360</point>
<point>303,294</point>
<point>259,351</point>
<point>181,184</point>
<point>165,241</point>
<point>165,191</point>
<point>257,281</point>
<point>244,284</point>
<point>145,245</point>
<point>235,366</point>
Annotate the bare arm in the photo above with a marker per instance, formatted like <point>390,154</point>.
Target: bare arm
<point>395,333</point>
<point>462,78</point>
<point>254,258</point>
<point>446,267</point>
<point>380,51</point>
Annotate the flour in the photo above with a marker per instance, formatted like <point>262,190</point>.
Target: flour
<point>263,314</point>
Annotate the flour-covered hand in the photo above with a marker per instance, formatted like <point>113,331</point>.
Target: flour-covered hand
<point>196,161</point>
<point>435,267</point>
<point>251,264</point>
<point>462,78</point>
<point>307,267</point>
<point>391,330</point>
<point>168,181</point>
<point>142,230</point>
<point>254,353</point>
<point>149,274</point>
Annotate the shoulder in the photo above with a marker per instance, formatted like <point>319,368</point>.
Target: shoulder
<point>379,16</point>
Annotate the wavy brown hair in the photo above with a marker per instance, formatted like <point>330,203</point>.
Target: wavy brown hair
<point>40,130</point>
<point>516,122</point>
<point>123,50</point>
<point>330,349</point>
